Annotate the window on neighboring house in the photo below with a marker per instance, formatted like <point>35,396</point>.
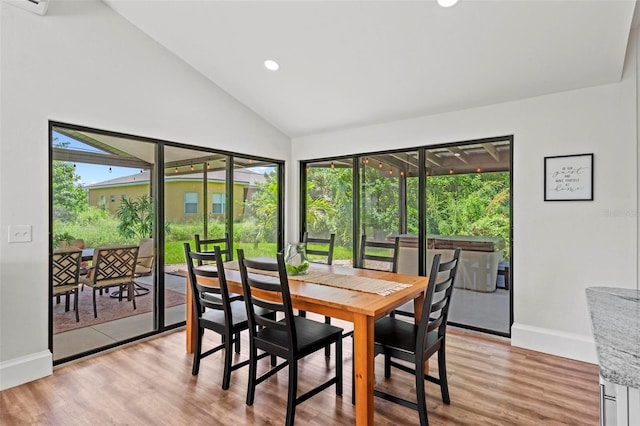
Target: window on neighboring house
<point>113,198</point>
<point>191,202</point>
<point>218,203</point>
<point>103,201</point>
<point>123,197</point>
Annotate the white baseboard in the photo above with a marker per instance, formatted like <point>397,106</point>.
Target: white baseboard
<point>554,342</point>
<point>25,369</point>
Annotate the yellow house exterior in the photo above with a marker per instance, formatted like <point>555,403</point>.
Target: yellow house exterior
<point>184,195</point>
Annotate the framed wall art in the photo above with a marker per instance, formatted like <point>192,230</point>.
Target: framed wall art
<point>568,178</point>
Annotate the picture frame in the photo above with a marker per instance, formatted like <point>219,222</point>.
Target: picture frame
<point>568,178</point>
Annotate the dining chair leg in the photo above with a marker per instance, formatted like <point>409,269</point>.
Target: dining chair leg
<point>228,350</point>
<point>420,393</point>
<point>196,353</point>
<point>387,366</point>
<point>339,369</point>
<point>327,349</point>
<point>253,361</point>
<point>237,339</point>
<point>442,371</point>
<point>293,392</point>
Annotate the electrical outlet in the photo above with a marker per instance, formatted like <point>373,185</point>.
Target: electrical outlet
<point>19,233</point>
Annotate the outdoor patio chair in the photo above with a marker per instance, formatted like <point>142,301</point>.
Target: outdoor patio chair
<point>66,272</point>
<point>144,267</point>
<point>416,343</point>
<point>113,266</point>
<point>291,338</point>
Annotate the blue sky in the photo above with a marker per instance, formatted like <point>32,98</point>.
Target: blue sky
<point>92,173</point>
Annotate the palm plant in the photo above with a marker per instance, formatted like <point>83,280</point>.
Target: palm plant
<point>136,217</point>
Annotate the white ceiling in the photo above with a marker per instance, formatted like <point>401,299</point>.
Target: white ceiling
<point>351,63</point>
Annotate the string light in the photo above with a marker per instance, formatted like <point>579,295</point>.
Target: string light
<point>110,170</point>
<point>379,165</point>
<point>192,167</point>
<point>450,171</point>
<point>366,160</point>
<point>390,171</point>
<point>176,171</point>
<point>208,165</point>
<point>333,166</point>
<point>401,173</point>
<point>74,165</point>
<point>478,170</point>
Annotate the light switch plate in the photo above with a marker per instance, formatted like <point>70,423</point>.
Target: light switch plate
<point>19,233</point>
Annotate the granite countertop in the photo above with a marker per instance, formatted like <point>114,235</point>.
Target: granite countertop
<point>615,317</point>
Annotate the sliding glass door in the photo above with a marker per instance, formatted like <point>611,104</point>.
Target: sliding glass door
<point>436,199</point>
<point>108,188</point>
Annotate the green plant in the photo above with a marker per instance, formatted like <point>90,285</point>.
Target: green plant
<point>136,217</point>
<point>62,236</point>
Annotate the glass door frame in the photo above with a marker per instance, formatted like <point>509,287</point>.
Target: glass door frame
<point>158,232</point>
<point>422,215</point>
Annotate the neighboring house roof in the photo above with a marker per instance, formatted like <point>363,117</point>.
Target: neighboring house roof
<point>247,177</point>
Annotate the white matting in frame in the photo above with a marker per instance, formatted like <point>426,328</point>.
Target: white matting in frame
<point>568,178</point>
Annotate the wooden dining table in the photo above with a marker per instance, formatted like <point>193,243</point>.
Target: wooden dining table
<point>358,307</point>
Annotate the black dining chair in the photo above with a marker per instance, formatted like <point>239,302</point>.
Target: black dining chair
<point>405,309</point>
<point>325,250</point>
<point>317,246</point>
<point>207,245</point>
<point>291,338</point>
<point>216,311</point>
<point>379,255</point>
<point>416,343</point>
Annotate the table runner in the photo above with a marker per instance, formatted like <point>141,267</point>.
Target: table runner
<point>332,279</point>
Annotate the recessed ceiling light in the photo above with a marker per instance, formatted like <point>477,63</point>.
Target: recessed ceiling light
<point>272,65</point>
<point>447,3</point>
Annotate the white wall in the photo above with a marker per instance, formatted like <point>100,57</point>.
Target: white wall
<point>559,248</point>
<point>83,64</point>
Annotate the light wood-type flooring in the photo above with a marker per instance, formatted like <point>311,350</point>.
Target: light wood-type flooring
<point>150,383</point>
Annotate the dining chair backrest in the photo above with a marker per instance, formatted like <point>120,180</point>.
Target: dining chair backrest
<point>207,245</point>
<point>114,263</point>
<point>256,286</point>
<point>437,299</point>
<point>313,249</point>
<point>374,254</point>
<point>66,266</point>
<point>205,296</point>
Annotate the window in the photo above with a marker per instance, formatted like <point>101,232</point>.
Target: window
<point>103,201</point>
<point>113,198</point>
<point>217,205</point>
<point>191,202</point>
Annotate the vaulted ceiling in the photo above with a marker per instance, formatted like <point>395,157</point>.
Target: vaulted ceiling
<point>350,63</point>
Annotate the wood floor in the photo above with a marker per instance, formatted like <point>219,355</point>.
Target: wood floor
<point>148,383</point>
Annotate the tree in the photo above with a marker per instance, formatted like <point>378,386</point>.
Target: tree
<point>264,205</point>
<point>69,198</point>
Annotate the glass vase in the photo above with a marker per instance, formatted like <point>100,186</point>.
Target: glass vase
<point>295,259</point>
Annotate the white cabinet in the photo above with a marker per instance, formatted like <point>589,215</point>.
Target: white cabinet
<point>619,405</point>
